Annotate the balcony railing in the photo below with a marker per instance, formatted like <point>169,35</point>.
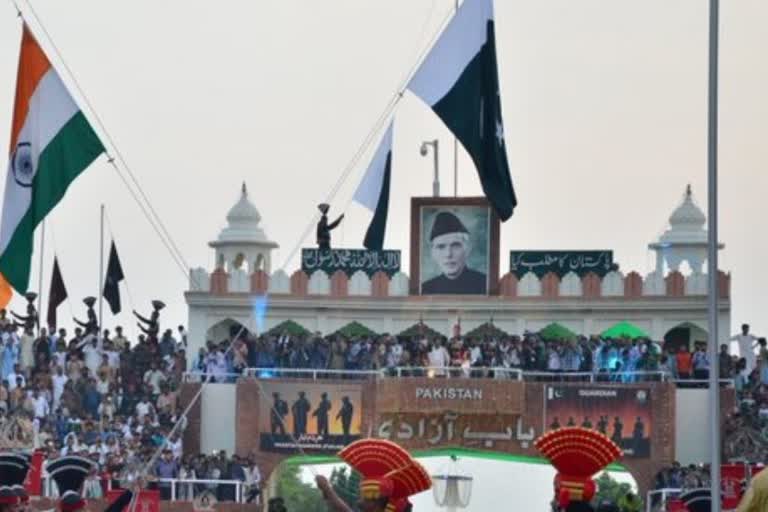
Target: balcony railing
<point>499,373</point>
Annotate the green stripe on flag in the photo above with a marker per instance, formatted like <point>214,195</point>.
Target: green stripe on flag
<point>68,154</point>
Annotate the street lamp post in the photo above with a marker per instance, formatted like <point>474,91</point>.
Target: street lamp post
<point>424,151</point>
<point>452,488</point>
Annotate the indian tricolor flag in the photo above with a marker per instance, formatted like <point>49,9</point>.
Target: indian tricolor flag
<point>51,144</point>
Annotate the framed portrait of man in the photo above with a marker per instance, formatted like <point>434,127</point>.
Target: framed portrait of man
<point>454,246</point>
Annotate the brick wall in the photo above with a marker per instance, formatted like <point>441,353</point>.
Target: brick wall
<point>389,404</point>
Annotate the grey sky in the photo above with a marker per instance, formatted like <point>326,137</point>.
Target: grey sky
<point>604,104</point>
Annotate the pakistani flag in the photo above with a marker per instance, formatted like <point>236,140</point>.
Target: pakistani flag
<point>459,79</point>
<point>373,192</point>
<point>51,144</point>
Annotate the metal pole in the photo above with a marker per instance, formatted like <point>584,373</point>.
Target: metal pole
<point>40,286</point>
<point>101,276</point>
<point>456,149</point>
<point>436,183</point>
<point>714,366</point>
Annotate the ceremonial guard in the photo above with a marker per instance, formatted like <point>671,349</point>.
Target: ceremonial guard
<point>153,322</point>
<point>324,228</point>
<point>390,477</point>
<point>31,320</point>
<point>70,473</point>
<point>13,472</point>
<point>92,325</point>
<point>578,454</point>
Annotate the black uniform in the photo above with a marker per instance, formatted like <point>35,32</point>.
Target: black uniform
<point>324,228</point>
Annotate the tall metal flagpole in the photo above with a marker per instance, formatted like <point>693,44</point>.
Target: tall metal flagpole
<point>714,372</point>
<point>101,277</point>
<point>40,281</point>
<point>456,148</point>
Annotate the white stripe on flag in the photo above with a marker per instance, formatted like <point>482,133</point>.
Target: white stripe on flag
<point>369,190</point>
<point>454,50</point>
<point>50,107</point>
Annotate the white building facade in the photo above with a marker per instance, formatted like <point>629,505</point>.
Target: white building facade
<point>243,290</point>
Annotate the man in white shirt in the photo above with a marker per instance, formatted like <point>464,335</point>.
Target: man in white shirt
<point>58,381</point>
<point>42,410</point>
<point>92,355</point>
<point>438,358</point>
<point>143,408</point>
<point>154,377</point>
<point>743,345</point>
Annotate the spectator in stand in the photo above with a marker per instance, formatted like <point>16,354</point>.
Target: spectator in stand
<point>762,361</point>
<point>700,362</point>
<point>166,468</point>
<point>726,362</point>
<point>744,345</point>
<point>684,363</point>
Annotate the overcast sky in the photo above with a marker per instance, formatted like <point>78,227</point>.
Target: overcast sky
<point>604,104</point>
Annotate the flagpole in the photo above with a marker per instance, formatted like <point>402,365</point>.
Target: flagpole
<point>40,285</point>
<point>456,147</point>
<point>714,372</point>
<point>101,275</point>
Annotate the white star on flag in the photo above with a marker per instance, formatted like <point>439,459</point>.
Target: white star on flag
<point>500,132</point>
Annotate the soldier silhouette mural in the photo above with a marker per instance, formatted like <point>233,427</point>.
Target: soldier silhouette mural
<point>300,409</point>
<point>90,326</point>
<point>277,414</point>
<point>321,413</point>
<point>30,321</point>
<point>296,417</point>
<point>153,322</point>
<point>324,228</point>
<point>345,414</point>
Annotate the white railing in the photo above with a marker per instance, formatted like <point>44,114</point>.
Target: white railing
<point>661,496</point>
<point>601,377</point>
<point>187,485</point>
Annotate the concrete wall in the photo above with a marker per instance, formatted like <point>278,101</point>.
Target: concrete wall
<point>217,421</point>
<point>691,420</point>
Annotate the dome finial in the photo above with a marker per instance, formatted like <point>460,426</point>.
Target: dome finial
<point>688,191</point>
<point>245,189</point>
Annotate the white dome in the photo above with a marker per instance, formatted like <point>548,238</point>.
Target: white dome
<point>687,215</point>
<point>244,210</point>
<point>243,223</point>
<point>686,224</point>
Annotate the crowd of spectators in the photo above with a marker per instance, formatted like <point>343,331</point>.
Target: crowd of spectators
<point>107,399</point>
<point>116,401</point>
<point>608,359</point>
<point>745,431</point>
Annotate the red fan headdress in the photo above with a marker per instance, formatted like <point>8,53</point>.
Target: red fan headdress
<point>577,454</point>
<point>388,471</point>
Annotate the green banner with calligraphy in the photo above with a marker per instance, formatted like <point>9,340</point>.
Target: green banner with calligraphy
<point>350,261</point>
<point>561,262</point>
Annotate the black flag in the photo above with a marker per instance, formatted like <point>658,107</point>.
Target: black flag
<point>57,295</point>
<point>112,281</point>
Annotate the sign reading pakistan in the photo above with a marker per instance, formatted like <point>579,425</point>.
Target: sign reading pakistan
<point>350,261</point>
<point>560,262</point>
